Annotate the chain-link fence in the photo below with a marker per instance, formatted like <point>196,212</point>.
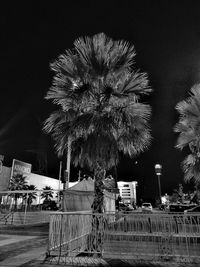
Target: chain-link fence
<point>131,236</point>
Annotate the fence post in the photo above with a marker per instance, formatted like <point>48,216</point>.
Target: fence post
<point>60,248</point>
<point>150,227</point>
<point>25,208</point>
<point>125,224</point>
<point>176,225</point>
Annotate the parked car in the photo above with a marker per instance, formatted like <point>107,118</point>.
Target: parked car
<point>180,207</point>
<point>147,207</point>
<point>194,209</point>
<point>130,207</point>
<point>124,207</point>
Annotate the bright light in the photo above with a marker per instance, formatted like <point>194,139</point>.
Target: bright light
<point>158,169</point>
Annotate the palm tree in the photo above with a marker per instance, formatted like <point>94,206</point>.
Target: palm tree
<point>30,196</point>
<point>97,92</point>
<point>188,128</point>
<point>17,182</point>
<point>48,194</point>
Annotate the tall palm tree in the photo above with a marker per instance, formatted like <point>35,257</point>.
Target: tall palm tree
<point>188,128</point>
<point>17,182</point>
<point>97,91</point>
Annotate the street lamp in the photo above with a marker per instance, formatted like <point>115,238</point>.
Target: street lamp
<point>158,170</point>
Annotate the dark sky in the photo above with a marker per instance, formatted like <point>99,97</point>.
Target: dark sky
<point>166,35</point>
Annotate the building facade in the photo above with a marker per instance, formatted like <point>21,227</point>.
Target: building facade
<point>127,191</point>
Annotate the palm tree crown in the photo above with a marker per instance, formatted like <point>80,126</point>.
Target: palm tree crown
<point>188,128</point>
<point>98,92</point>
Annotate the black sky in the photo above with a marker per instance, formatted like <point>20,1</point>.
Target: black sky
<point>166,35</point>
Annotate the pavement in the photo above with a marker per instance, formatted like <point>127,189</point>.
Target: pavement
<point>18,250</point>
<point>22,244</point>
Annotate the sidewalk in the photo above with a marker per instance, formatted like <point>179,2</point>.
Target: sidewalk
<point>21,244</point>
<point>16,250</point>
<point>23,259</point>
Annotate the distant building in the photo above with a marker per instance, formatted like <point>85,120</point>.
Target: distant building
<point>127,191</point>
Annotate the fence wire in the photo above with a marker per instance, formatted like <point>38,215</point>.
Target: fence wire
<point>118,235</point>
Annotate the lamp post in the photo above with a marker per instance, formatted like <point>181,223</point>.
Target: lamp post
<point>158,170</point>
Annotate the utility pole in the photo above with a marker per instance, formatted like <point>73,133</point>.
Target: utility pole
<point>60,174</point>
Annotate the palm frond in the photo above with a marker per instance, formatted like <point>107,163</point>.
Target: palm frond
<point>185,139</point>
<point>100,54</point>
<point>136,83</point>
<point>191,168</point>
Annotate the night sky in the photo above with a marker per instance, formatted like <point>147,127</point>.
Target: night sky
<point>166,36</point>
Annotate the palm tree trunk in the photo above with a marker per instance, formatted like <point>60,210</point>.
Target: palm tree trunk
<point>96,236</point>
<point>99,175</point>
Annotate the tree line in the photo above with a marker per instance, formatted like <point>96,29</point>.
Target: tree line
<point>19,183</point>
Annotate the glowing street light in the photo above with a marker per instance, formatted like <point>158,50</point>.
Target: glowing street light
<point>158,170</point>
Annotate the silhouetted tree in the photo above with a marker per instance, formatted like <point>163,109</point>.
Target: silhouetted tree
<point>98,94</point>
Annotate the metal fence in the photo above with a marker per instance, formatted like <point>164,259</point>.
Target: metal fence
<point>131,236</point>
<point>28,206</point>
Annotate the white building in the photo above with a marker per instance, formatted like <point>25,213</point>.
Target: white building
<point>127,191</point>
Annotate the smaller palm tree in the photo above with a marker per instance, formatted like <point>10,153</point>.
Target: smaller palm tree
<point>30,196</point>
<point>48,195</point>
<point>17,182</point>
